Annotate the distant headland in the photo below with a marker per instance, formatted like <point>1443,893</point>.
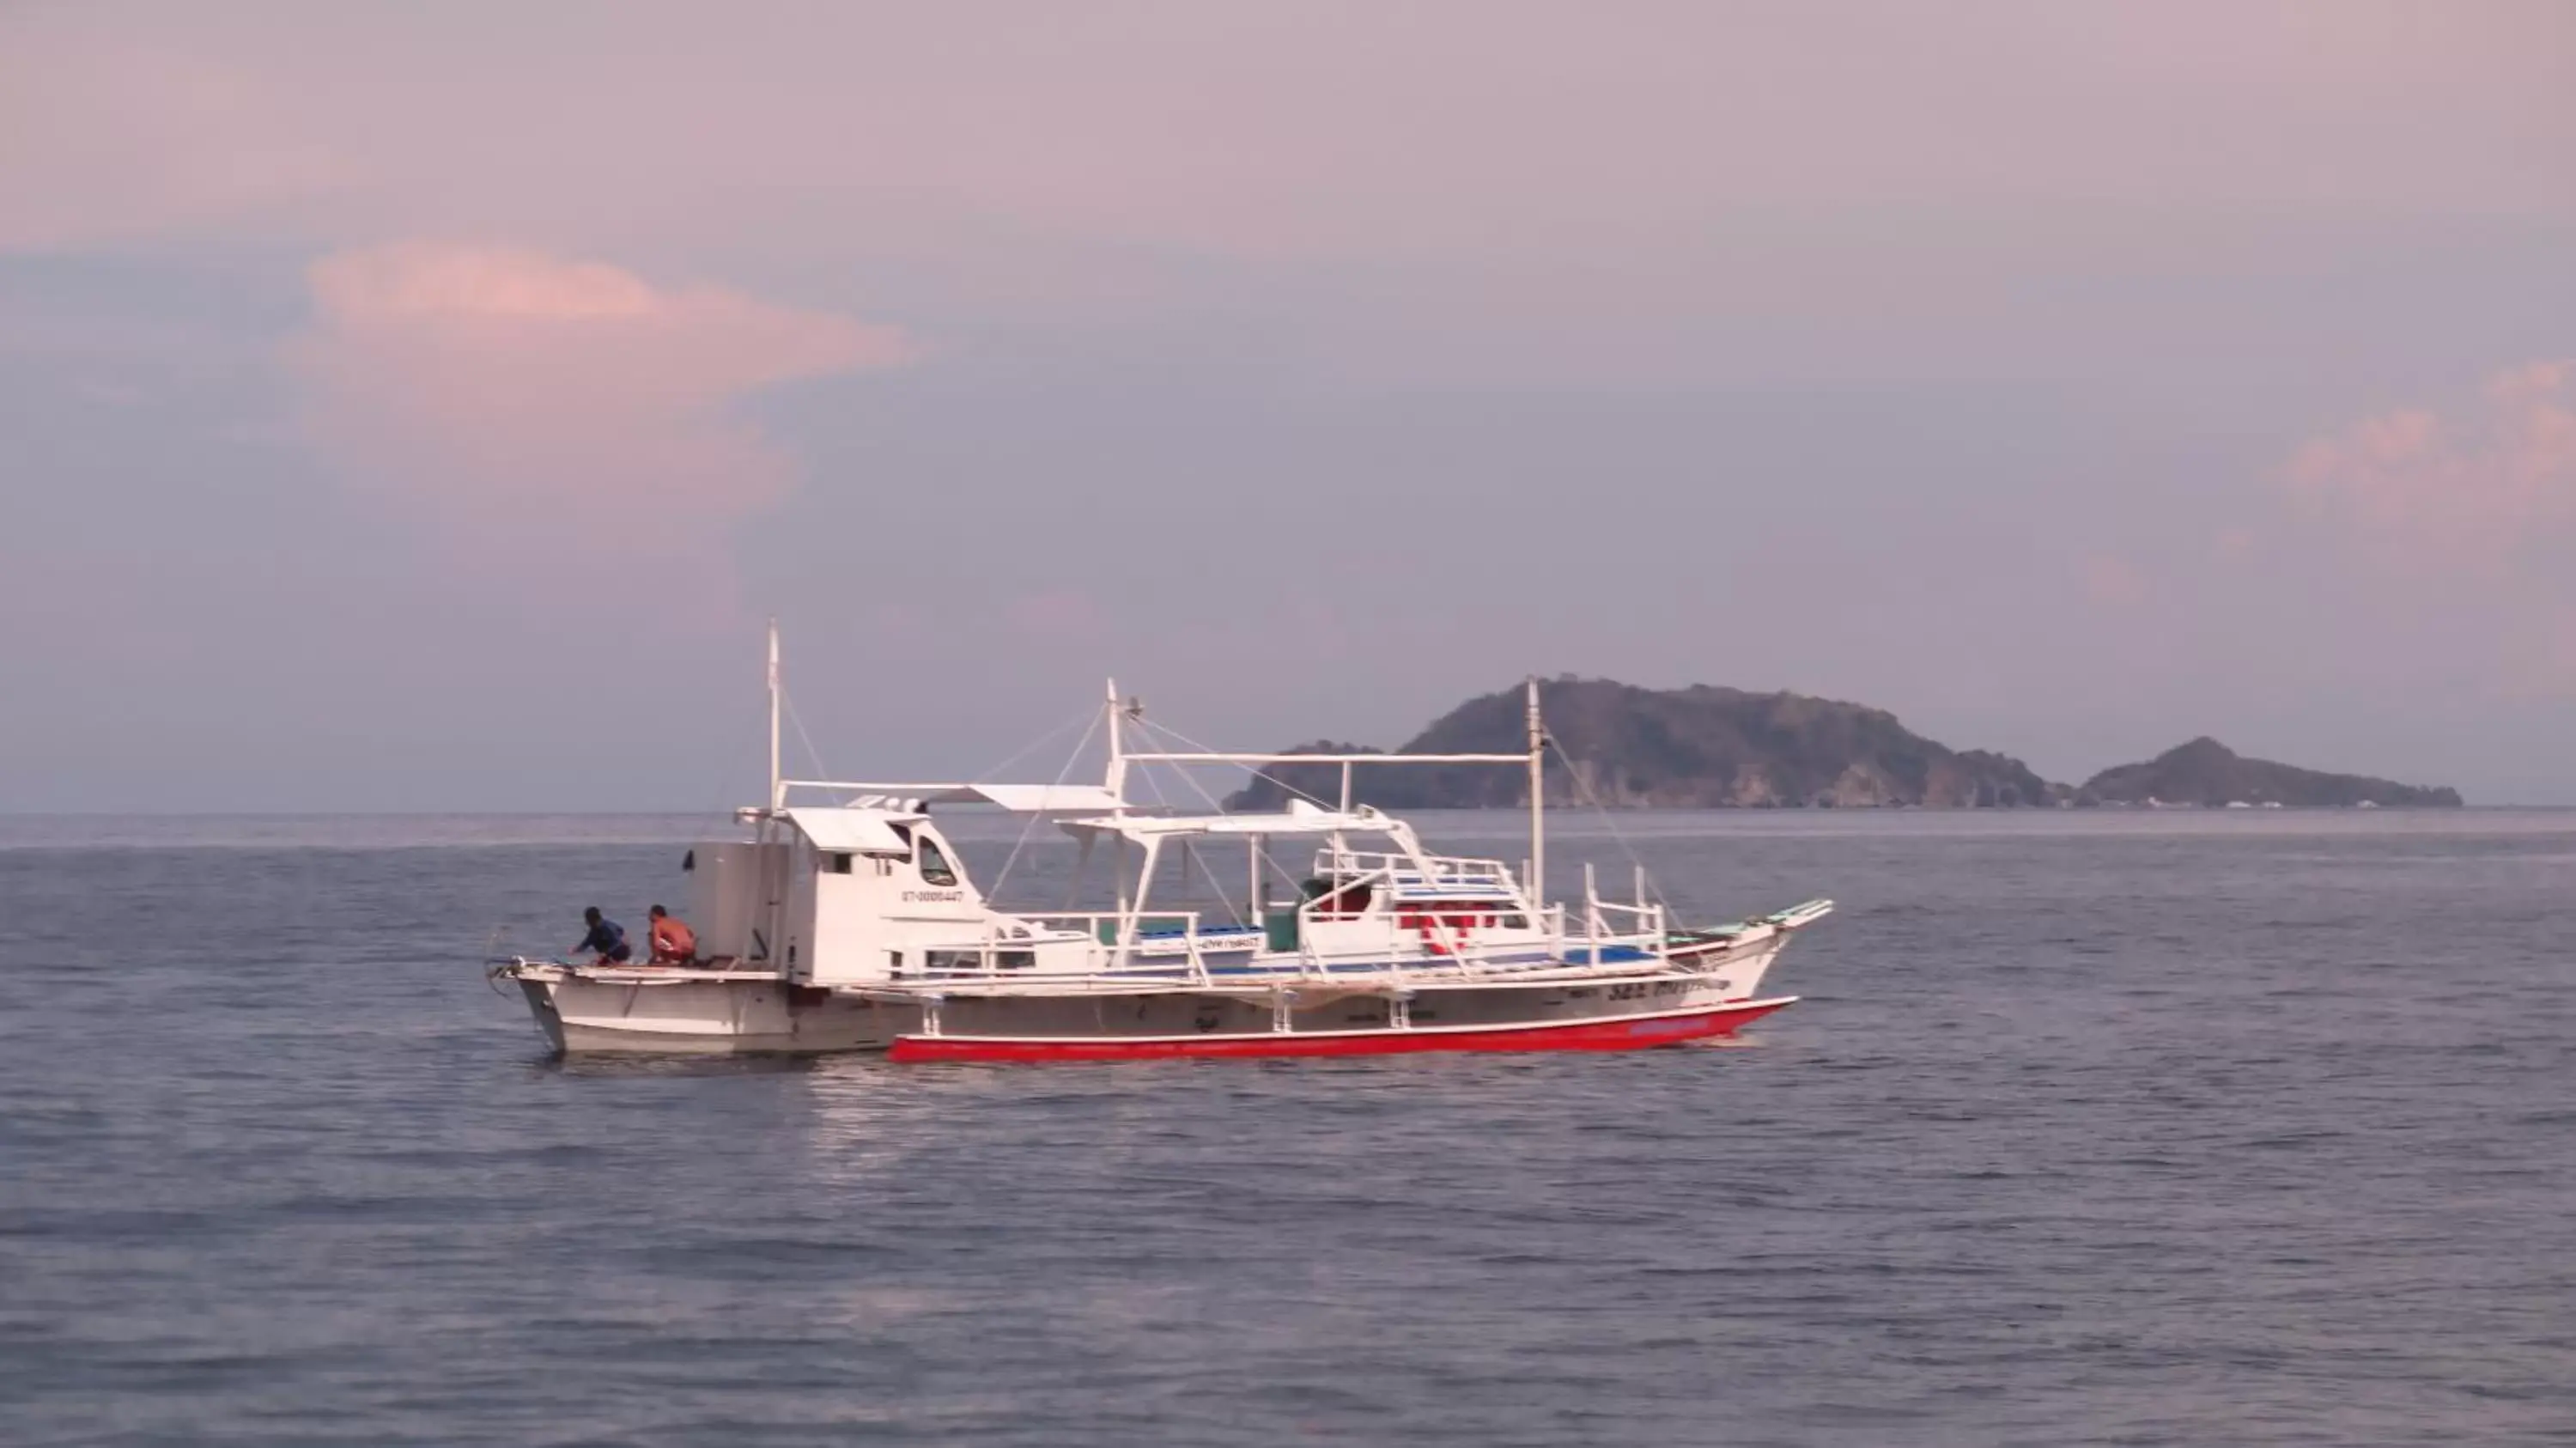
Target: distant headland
<point>1707,747</point>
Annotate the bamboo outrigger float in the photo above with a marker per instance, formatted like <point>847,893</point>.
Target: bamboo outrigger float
<point>851,925</point>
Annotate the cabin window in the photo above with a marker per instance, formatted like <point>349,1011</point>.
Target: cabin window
<point>953,961</point>
<point>934,866</point>
<point>840,863</point>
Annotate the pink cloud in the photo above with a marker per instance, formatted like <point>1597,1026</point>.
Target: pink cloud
<point>2457,523</point>
<point>2480,485</point>
<point>510,394</point>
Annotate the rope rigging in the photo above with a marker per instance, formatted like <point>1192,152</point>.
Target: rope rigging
<point>1031,823</point>
<point>1587,796</point>
<point>1170,734</point>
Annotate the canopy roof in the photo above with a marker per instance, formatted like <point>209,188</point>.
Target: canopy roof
<point>1300,818</point>
<point>1028,798</point>
<point>1022,798</point>
<point>859,831</point>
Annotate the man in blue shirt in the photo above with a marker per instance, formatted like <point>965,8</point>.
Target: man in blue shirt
<point>606,937</point>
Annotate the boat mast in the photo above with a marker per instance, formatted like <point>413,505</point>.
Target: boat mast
<point>1538,800</point>
<point>1117,780</point>
<point>1118,811</point>
<point>777,791</point>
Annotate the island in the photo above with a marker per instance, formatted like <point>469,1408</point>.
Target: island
<point>1705,747</point>
<point>1694,748</point>
<point>2206,772</point>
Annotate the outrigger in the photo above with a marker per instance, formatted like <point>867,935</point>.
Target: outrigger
<point>852,925</point>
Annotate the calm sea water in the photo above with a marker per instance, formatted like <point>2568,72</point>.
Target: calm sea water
<point>2092,1128</point>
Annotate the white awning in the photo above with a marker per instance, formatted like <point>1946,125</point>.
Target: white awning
<point>1029,798</point>
<point>1024,798</point>
<point>857,831</point>
<point>1300,818</point>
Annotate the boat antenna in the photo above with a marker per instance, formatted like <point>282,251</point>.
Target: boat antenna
<point>1538,795</point>
<point>777,790</point>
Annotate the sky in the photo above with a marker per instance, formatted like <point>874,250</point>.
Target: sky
<point>422,407</point>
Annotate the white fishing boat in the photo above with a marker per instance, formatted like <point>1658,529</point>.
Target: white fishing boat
<point>841,918</point>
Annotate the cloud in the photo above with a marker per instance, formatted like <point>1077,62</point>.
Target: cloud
<point>2478,487</point>
<point>2453,526</point>
<point>511,395</point>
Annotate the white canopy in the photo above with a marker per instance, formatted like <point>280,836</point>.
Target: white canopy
<point>1300,818</point>
<point>1028,798</point>
<point>1022,798</point>
<point>858,831</point>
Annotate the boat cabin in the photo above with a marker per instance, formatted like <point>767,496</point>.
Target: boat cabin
<point>862,892</point>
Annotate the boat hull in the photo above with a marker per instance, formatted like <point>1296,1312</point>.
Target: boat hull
<point>591,1010</point>
<point>590,1016</point>
<point>1621,1033</point>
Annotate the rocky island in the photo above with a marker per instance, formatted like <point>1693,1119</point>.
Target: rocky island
<point>1708,747</point>
<point>1690,748</point>
<point>2206,772</point>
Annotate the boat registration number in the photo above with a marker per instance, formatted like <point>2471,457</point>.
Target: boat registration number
<point>1638,990</point>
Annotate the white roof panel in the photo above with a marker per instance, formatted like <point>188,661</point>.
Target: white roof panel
<point>859,831</point>
<point>1300,819</point>
<point>1030,798</point>
<point>1025,798</point>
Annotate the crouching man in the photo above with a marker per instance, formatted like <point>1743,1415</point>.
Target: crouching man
<point>674,943</point>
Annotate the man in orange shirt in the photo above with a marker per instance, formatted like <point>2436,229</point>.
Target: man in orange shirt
<point>674,943</point>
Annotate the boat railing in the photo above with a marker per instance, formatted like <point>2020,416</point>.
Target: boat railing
<point>1124,945</point>
<point>1645,918</point>
<point>1107,934</point>
<point>1401,870</point>
<point>1393,964</point>
<point>1641,923</point>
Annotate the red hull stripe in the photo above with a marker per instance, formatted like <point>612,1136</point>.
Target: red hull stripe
<point>1629,1033</point>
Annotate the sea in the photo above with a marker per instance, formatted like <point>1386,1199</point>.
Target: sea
<point>2191,1128</point>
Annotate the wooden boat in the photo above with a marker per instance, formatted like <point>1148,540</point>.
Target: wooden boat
<point>852,925</point>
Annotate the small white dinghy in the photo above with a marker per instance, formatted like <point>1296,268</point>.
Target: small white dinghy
<point>851,925</point>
